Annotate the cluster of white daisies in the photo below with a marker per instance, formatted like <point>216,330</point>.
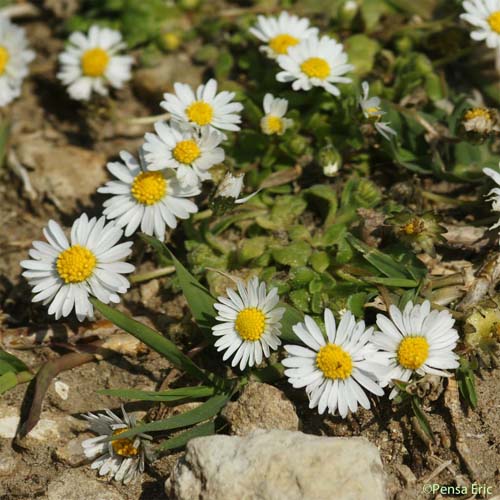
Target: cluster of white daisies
<point>337,365</point>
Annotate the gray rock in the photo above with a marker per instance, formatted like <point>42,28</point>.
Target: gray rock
<point>76,485</point>
<point>151,83</point>
<point>261,406</point>
<point>278,465</point>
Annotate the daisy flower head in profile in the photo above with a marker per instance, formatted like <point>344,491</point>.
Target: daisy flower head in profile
<point>281,33</point>
<point>274,121</point>
<point>92,62</point>
<point>484,15</point>
<point>249,323</point>
<point>334,370</point>
<point>151,200</point>
<point>480,120</point>
<point>373,112</point>
<point>14,59</point>
<point>228,193</point>
<point>124,458</point>
<point>63,273</point>
<point>414,341</point>
<point>190,153</point>
<point>205,107</point>
<point>315,62</point>
<point>494,194</point>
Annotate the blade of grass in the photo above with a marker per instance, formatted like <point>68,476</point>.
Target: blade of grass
<point>200,301</point>
<point>203,412</point>
<point>152,339</point>
<point>206,429</point>
<point>174,395</point>
<point>383,262</point>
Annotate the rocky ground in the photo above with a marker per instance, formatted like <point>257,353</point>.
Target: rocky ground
<point>56,160</point>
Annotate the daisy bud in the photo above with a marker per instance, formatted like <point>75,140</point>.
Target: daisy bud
<point>420,232</point>
<point>330,160</point>
<point>228,192</point>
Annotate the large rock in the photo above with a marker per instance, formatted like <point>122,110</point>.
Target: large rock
<point>278,465</point>
<point>68,175</point>
<point>261,406</point>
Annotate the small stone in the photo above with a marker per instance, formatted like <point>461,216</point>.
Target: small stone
<point>260,406</point>
<point>406,474</point>
<point>71,453</point>
<point>62,389</point>
<point>8,462</point>
<point>152,83</point>
<point>76,485</point>
<point>272,465</point>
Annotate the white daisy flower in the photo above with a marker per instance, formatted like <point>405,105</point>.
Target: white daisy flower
<point>152,200</point>
<point>14,59</point>
<point>494,194</point>
<point>91,63</point>
<point>282,32</point>
<point>372,111</point>
<point>250,323</point>
<point>205,108</point>
<point>190,153</point>
<point>64,274</point>
<point>316,62</point>
<point>335,370</point>
<point>485,16</point>
<point>274,122</point>
<point>124,458</point>
<point>416,340</point>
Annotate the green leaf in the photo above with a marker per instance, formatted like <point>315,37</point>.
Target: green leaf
<point>422,419</point>
<point>397,282</point>
<point>203,412</point>
<point>4,137</point>
<point>293,255</point>
<point>7,381</point>
<point>152,339</point>
<point>206,429</point>
<point>8,362</point>
<point>200,301</point>
<point>290,318</point>
<point>174,395</point>
<point>383,262</point>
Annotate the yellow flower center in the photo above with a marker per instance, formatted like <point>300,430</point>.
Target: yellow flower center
<point>280,44</point>
<point>186,151</point>
<point>94,62</point>
<point>494,21</point>
<point>472,114</point>
<point>315,67</point>
<point>75,264</point>
<point>149,188</point>
<point>200,113</point>
<point>123,447</point>
<point>4,59</point>
<point>412,352</point>
<point>334,362</point>
<point>374,110</point>
<point>415,226</point>
<point>250,324</point>
<point>272,125</point>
